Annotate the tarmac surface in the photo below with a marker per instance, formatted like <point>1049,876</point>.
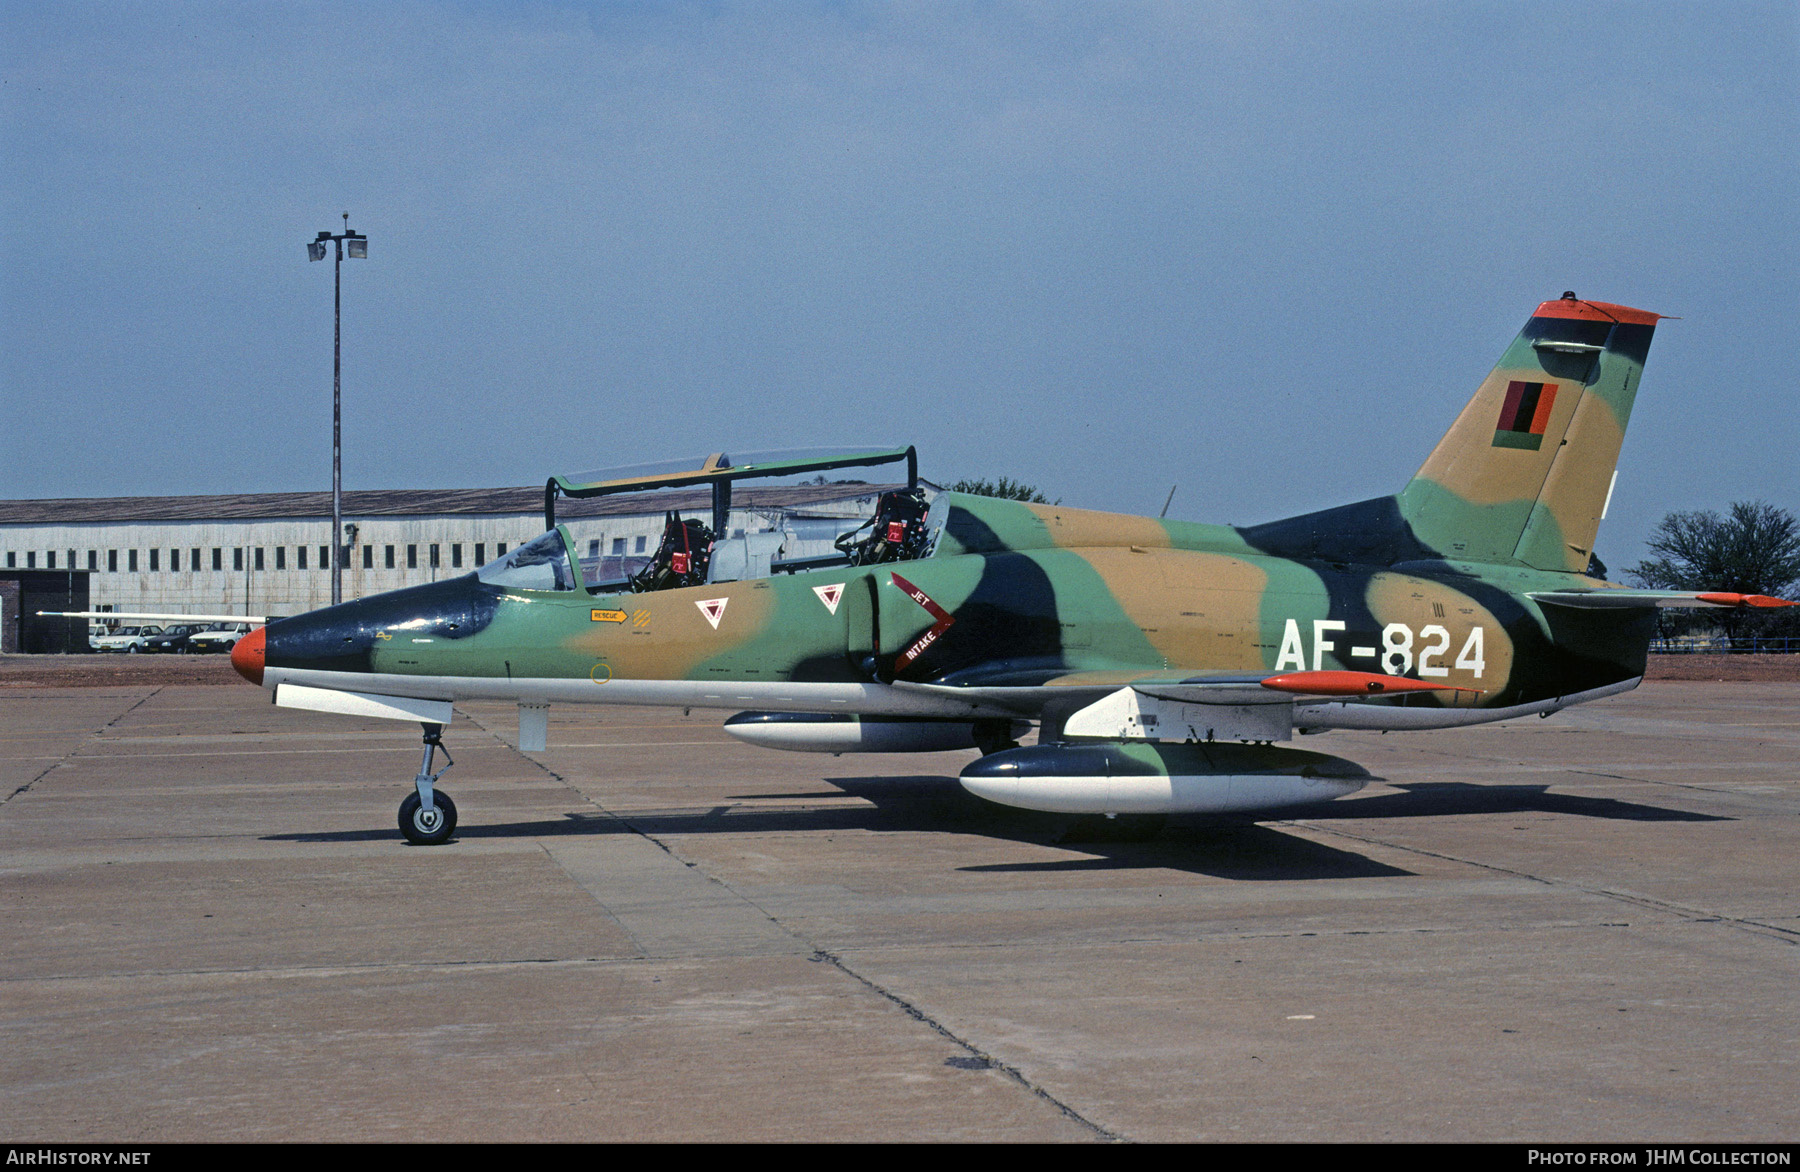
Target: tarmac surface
<point>1584,928</point>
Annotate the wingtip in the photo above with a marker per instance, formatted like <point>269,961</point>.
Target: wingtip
<point>1724,598</point>
<point>1354,683</point>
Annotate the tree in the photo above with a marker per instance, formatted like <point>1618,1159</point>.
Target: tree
<point>1004,488</point>
<point>1754,550</point>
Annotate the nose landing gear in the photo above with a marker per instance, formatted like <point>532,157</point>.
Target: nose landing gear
<point>428,817</point>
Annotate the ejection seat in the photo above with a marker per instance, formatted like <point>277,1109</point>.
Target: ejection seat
<point>680,559</point>
<point>896,533</point>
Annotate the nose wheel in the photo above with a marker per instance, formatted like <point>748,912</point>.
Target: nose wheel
<point>428,816</point>
<point>424,827</point>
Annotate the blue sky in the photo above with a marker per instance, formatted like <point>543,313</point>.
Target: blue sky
<point>1261,251</point>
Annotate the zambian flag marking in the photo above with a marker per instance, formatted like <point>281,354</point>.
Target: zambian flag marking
<point>1524,415</point>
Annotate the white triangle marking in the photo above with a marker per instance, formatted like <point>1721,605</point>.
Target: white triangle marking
<point>829,595</point>
<point>713,609</point>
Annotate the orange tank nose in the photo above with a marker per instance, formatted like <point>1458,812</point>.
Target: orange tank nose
<point>247,656</point>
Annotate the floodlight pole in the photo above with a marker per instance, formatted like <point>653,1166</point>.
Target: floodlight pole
<point>337,421</point>
<point>316,251</point>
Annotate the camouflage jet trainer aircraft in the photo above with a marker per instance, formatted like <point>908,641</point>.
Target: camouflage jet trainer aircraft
<point>1162,661</point>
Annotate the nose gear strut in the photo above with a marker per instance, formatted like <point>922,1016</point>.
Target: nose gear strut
<point>428,816</point>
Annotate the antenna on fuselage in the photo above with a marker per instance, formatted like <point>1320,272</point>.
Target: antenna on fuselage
<point>1166,501</point>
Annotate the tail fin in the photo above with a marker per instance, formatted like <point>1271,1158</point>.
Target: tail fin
<point>1526,470</point>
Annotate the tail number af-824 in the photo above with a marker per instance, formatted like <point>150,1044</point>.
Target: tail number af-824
<point>1401,648</point>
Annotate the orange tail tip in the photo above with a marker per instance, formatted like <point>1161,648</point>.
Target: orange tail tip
<point>1569,306</point>
<point>1353,683</point>
<point>1724,599</point>
<point>247,656</point>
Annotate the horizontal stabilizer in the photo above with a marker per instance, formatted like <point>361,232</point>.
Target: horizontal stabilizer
<point>1666,599</point>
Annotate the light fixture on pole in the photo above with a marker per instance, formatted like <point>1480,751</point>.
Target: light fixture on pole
<point>359,250</point>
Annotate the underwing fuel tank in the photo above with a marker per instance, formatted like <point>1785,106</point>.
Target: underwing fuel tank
<point>837,732</point>
<point>1151,778</point>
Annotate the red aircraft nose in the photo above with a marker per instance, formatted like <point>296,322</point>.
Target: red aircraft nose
<point>247,656</point>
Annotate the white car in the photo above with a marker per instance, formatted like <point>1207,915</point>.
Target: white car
<point>217,637</point>
<point>128,639</point>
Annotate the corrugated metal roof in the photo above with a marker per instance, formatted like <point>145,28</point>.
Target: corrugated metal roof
<point>404,502</point>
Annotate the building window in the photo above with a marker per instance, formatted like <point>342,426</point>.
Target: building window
<point>281,557</point>
<point>174,560</point>
<point>594,547</point>
<point>390,557</point>
<point>456,555</point>
<point>299,557</point>
<point>237,557</point>
<point>218,558</point>
<point>325,557</point>
<point>257,561</point>
<point>193,559</point>
<point>640,545</point>
<point>112,561</point>
<point>481,553</point>
<point>12,560</point>
<point>434,556</point>
<point>131,560</point>
<point>71,559</point>
<point>154,554</point>
<point>500,549</point>
<point>94,559</point>
<point>368,557</point>
<point>412,557</point>
<point>49,559</point>
<point>618,547</point>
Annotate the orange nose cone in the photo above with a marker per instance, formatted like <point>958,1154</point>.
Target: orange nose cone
<point>247,656</point>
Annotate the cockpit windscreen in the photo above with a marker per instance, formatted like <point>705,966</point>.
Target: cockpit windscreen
<point>542,564</point>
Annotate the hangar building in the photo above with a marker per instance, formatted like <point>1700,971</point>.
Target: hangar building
<point>269,553</point>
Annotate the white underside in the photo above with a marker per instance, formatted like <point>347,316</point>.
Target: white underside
<point>1212,793</point>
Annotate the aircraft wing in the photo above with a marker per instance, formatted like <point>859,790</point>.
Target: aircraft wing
<point>1666,599</point>
<point>1192,687</point>
<point>1164,705</point>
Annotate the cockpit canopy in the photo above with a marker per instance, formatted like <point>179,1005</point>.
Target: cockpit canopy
<point>786,524</point>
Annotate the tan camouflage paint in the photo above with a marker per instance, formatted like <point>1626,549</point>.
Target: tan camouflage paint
<point>1560,535</point>
<point>1418,603</point>
<point>666,636</point>
<point>1196,609</point>
<point>1087,528</point>
<point>1467,462</point>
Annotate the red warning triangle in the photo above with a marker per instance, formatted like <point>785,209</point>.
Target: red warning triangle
<point>713,609</point>
<point>829,595</point>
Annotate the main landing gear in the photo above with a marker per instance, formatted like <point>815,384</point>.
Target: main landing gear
<point>994,736</point>
<point>428,816</point>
